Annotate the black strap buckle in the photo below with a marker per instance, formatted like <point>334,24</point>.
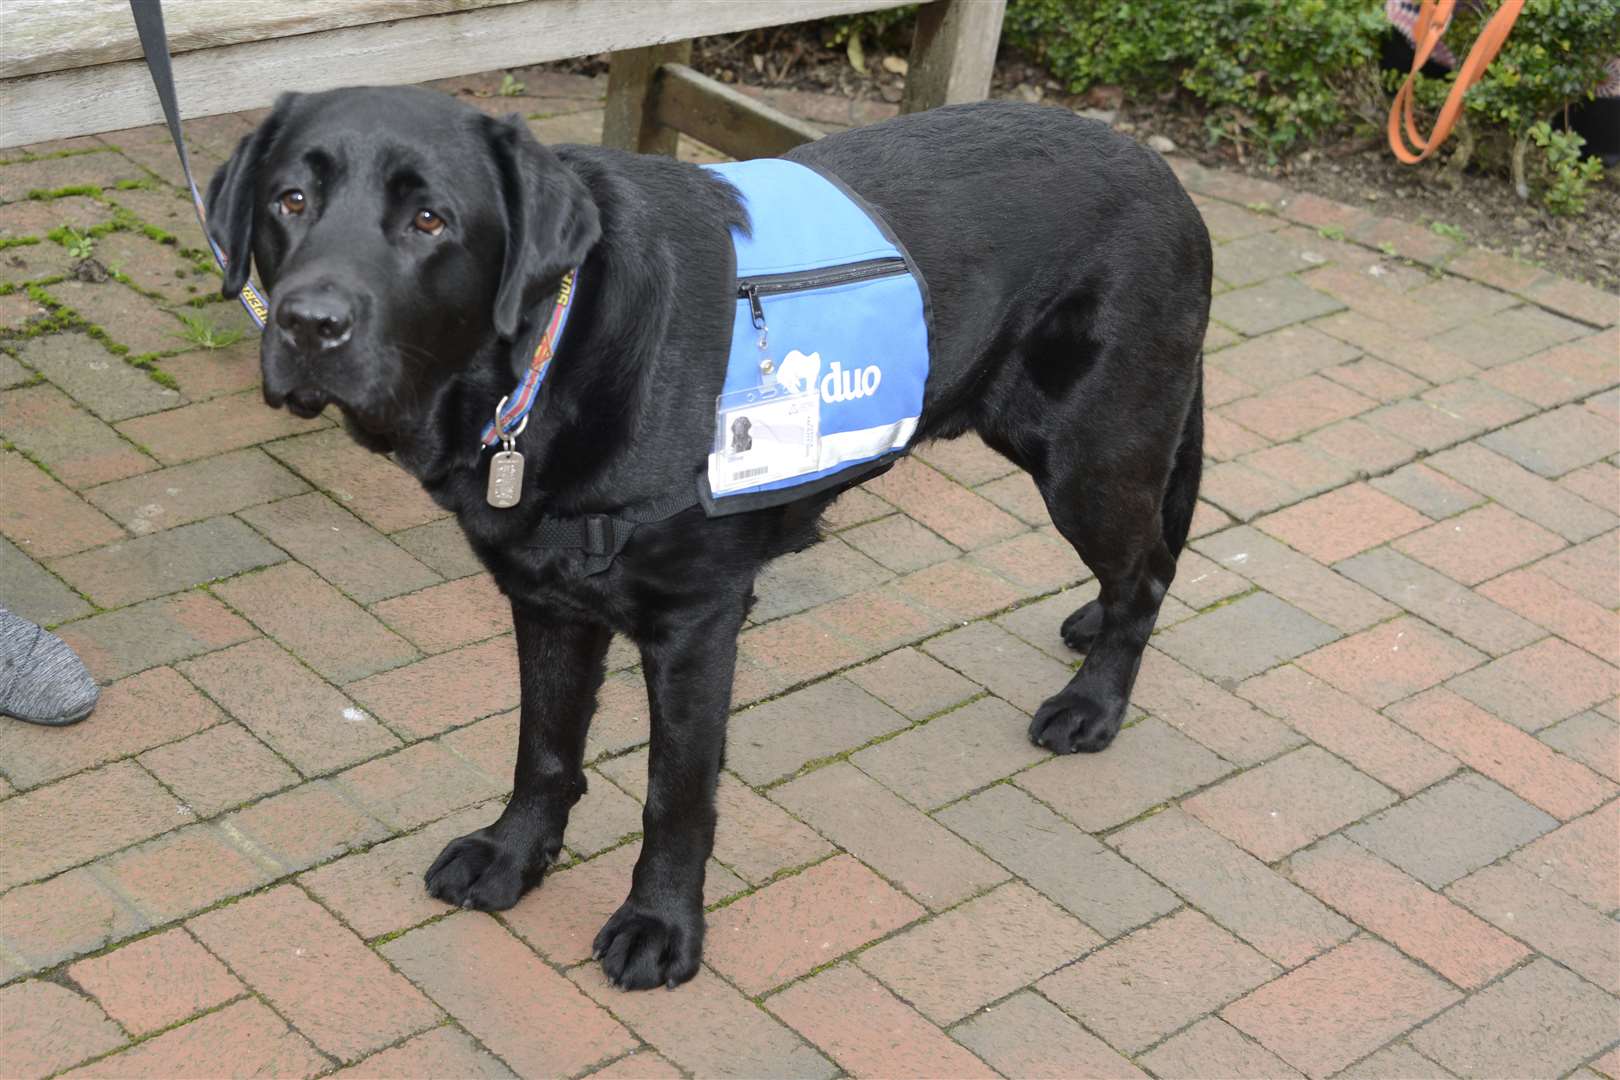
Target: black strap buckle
<point>597,534</point>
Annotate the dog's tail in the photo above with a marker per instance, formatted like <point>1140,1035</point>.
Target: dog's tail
<point>1181,493</point>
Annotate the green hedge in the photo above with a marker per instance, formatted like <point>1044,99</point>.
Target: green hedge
<point>1265,69</point>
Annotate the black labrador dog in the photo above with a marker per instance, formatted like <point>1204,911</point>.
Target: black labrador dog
<point>413,246</point>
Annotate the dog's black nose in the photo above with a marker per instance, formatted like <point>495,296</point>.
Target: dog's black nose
<point>315,318</point>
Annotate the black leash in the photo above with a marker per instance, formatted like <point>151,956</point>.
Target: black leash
<point>148,15</point>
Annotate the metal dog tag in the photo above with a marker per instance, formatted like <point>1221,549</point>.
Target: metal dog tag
<point>506,467</point>
<point>505,479</point>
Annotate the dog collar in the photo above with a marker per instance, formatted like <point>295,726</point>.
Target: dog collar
<point>513,412</point>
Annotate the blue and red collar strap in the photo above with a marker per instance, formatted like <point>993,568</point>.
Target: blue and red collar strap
<point>514,409</point>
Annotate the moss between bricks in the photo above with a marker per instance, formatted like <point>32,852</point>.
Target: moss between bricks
<point>55,155</point>
<point>62,317</point>
<point>46,194</point>
<point>125,221</point>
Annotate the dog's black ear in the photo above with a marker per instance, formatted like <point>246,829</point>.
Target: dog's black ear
<point>551,220</point>
<point>232,196</point>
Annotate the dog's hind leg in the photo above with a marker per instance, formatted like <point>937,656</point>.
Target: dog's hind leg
<point>1128,519</point>
<point>1080,629</point>
<point>560,667</point>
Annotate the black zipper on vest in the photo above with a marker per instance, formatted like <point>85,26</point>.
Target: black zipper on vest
<point>751,289</point>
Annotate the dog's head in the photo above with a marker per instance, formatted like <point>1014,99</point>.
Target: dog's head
<point>398,233</point>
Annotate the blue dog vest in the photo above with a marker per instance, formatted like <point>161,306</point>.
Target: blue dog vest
<point>829,343</point>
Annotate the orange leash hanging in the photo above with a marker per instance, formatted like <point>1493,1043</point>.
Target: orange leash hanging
<point>1431,24</point>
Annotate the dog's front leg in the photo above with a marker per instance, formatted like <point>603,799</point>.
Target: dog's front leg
<point>560,665</point>
<point>656,936</point>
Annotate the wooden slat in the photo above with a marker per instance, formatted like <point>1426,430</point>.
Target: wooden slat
<point>726,119</point>
<point>232,78</point>
<point>628,119</point>
<point>59,35</point>
<point>953,54</point>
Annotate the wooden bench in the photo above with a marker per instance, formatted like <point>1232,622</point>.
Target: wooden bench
<point>73,67</point>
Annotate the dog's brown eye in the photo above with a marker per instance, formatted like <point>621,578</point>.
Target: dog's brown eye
<point>291,201</point>
<point>429,222</point>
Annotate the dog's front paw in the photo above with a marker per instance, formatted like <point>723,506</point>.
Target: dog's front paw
<point>1071,723</point>
<point>479,871</point>
<point>640,948</point>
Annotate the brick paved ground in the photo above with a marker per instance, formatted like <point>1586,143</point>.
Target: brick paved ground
<point>1364,822</point>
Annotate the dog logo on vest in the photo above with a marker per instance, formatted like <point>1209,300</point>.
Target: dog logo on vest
<point>798,371</point>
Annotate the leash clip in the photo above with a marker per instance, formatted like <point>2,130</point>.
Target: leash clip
<point>508,438</point>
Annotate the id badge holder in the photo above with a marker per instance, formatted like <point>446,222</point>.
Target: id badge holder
<point>764,433</point>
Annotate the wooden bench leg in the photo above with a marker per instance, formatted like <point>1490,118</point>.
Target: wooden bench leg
<point>630,118</point>
<point>953,53</point>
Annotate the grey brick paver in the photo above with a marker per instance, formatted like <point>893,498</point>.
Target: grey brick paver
<point>1002,663</point>
<point>149,566</point>
<point>1274,304</point>
<point>1557,442</point>
<point>1244,638</point>
<point>1446,603</point>
<point>952,755</point>
<point>1539,1021</point>
<point>1508,335</point>
<point>340,547</point>
<point>904,845</point>
<point>33,592</point>
<point>1458,826</point>
<point>182,494</point>
<point>773,740</point>
<point>1239,891</point>
<point>1103,890</point>
<point>922,628</point>
<point>95,378</point>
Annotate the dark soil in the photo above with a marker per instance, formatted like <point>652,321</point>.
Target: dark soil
<point>1358,169</point>
<point>1350,167</point>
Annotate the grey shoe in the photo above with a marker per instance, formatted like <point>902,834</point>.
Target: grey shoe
<point>42,681</point>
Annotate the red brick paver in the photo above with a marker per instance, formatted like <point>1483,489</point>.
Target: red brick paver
<point>499,1000</point>
<point>1362,819</point>
<point>316,972</point>
<point>790,928</point>
<point>1378,896</point>
<point>891,1039</point>
<point>46,1028</point>
<point>1340,1007</point>
<point>256,1040</point>
<point>1018,936</point>
<point>156,981</point>
<point>1158,979</point>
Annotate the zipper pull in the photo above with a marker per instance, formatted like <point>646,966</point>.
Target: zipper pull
<point>757,313</point>
<point>754,308</point>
